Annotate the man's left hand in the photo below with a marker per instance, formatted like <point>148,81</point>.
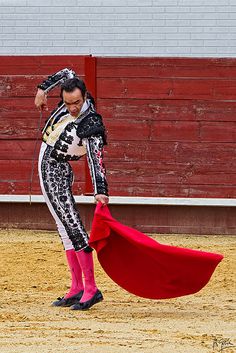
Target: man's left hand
<point>104,199</point>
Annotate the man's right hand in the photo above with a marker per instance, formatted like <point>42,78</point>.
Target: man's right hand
<point>41,100</point>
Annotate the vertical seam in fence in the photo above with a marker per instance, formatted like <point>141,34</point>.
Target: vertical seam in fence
<point>90,70</point>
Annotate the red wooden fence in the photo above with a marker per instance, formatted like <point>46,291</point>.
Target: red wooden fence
<point>19,119</point>
<point>171,123</point>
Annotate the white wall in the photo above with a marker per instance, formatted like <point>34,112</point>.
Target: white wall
<point>119,28</point>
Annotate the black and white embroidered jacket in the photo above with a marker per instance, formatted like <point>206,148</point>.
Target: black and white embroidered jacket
<point>71,138</point>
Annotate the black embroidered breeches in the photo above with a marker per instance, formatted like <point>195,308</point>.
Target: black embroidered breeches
<point>56,180</point>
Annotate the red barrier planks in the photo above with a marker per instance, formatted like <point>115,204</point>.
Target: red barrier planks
<point>170,121</point>
<point>40,64</point>
<point>175,110</point>
<point>168,88</point>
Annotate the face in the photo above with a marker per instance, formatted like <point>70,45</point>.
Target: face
<point>73,101</point>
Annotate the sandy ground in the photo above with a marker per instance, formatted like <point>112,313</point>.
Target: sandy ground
<point>34,273</point>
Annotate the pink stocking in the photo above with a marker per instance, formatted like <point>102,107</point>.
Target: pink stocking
<point>86,263</point>
<point>76,273</point>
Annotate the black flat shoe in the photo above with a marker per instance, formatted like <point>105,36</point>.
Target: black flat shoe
<point>98,297</point>
<point>68,301</point>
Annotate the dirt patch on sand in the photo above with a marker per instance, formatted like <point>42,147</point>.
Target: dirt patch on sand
<point>34,273</point>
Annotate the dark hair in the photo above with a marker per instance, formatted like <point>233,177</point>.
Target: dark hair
<point>71,84</point>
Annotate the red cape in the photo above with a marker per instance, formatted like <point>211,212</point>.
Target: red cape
<point>145,267</point>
